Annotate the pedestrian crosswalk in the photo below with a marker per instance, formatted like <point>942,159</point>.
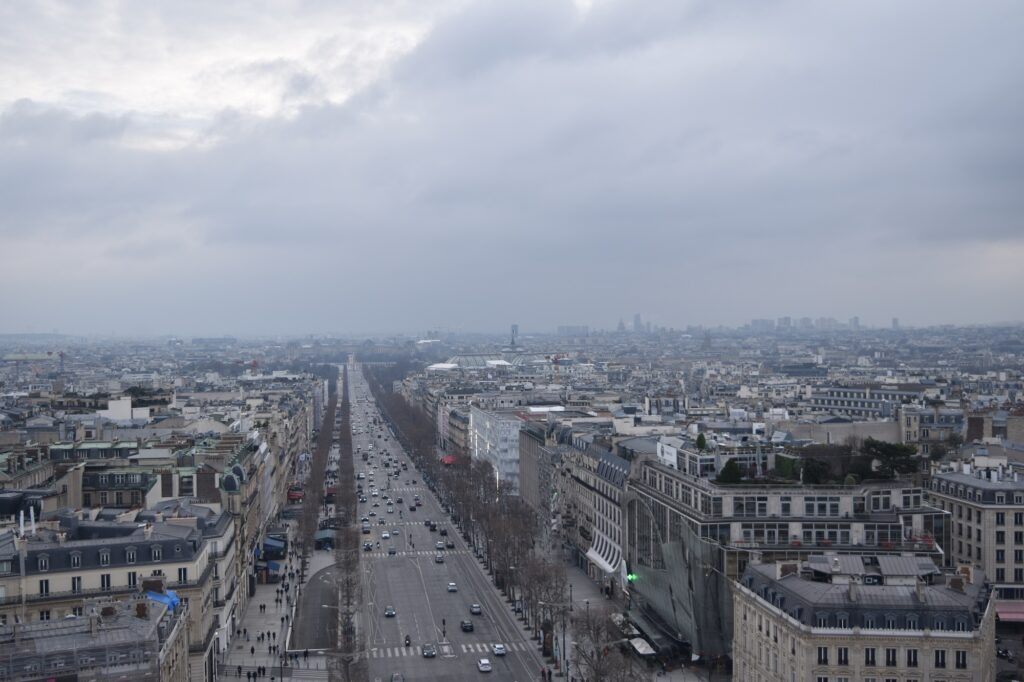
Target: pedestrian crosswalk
<point>468,648</point>
<point>416,553</point>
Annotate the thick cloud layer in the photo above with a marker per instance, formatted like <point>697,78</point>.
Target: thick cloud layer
<point>210,168</point>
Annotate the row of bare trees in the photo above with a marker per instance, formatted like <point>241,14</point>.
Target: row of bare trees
<point>349,665</point>
<point>314,486</point>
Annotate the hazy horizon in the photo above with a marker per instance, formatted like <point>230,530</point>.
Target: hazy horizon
<point>202,169</point>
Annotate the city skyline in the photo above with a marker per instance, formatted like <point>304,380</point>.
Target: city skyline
<point>308,168</point>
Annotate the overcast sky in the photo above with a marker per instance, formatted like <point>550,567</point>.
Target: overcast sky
<point>198,167</point>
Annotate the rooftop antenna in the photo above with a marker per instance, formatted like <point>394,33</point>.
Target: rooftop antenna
<point>32,518</point>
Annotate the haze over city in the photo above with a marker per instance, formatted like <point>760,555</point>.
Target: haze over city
<point>306,167</point>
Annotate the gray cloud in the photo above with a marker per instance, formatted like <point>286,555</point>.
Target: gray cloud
<point>694,161</point>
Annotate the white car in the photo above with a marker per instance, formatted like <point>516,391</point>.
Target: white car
<point>385,535</point>
<point>499,649</point>
<point>483,665</point>
<point>452,587</point>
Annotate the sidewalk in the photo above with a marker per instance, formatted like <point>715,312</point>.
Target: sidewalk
<point>249,653</point>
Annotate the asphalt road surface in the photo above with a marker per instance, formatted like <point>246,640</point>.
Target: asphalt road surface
<point>415,585</point>
<point>317,609</point>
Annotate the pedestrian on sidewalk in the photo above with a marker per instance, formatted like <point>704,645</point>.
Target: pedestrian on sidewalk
<point>252,651</point>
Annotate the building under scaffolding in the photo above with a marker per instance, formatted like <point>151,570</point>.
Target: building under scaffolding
<point>137,639</point>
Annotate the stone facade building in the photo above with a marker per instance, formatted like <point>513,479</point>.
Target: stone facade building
<point>846,618</point>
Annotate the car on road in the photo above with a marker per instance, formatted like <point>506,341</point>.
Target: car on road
<point>475,609</point>
<point>439,545</point>
<point>439,558</point>
<point>426,522</point>
<point>392,551</point>
<point>429,651</point>
<point>365,519</point>
<point>499,649</point>
<point>466,625</point>
<point>452,587</point>
<point>367,546</point>
<point>385,535</point>
<point>449,544</point>
<point>398,500</point>
<point>373,513</point>
<point>483,665</point>
<point>412,507</point>
<point>391,510</point>
<point>444,531</point>
<point>397,677</point>
<point>389,611</point>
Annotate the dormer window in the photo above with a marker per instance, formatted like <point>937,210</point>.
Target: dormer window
<point>76,560</point>
<point>129,555</point>
<point>44,562</point>
<point>104,557</point>
<point>912,621</point>
<point>158,553</point>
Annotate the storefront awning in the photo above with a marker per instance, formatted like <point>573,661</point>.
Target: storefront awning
<point>641,646</point>
<point>1010,611</point>
<point>273,543</point>
<point>604,553</point>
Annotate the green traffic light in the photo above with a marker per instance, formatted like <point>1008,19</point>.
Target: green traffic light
<point>631,577</point>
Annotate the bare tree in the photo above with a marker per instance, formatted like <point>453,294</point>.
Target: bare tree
<point>599,650</point>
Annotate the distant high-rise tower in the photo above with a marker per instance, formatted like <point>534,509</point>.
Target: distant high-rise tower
<point>515,334</point>
<point>895,323</point>
<point>638,325</point>
<point>855,323</point>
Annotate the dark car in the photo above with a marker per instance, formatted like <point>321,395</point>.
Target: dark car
<point>429,651</point>
<point>449,544</point>
<point>466,625</point>
<point>367,546</point>
<point>444,531</point>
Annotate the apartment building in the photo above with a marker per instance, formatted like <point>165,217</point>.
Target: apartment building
<point>47,575</point>
<point>494,438</point>
<point>865,401</point>
<point>592,485</point>
<point>985,503</point>
<point>687,537</point>
<point>930,427</point>
<point>866,618</point>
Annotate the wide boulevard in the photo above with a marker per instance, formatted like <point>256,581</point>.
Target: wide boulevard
<point>402,570</point>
